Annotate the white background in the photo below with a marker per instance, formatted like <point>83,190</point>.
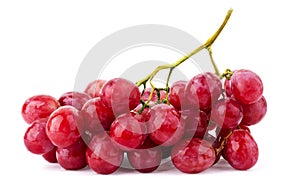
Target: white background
<point>42,44</point>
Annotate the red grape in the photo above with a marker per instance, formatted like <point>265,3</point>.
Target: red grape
<point>128,132</point>
<point>39,106</point>
<point>193,156</point>
<point>195,123</point>
<point>147,158</point>
<point>255,112</point>
<point>51,156</point>
<point>73,156</point>
<point>227,88</point>
<point>35,138</point>
<point>176,95</point>
<point>164,126</point>
<point>96,116</point>
<point>202,90</point>
<point>93,88</point>
<point>102,155</point>
<point>246,86</point>
<point>120,95</point>
<point>62,126</point>
<point>227,113</point>
<point>241,150</point>
<point>75,99</point>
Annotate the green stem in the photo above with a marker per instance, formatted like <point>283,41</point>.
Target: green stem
<point>207,45</point>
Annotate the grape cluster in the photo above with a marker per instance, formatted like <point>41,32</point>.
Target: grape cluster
<point>194,123</point>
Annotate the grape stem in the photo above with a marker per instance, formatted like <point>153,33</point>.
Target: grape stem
<point>207,45</point>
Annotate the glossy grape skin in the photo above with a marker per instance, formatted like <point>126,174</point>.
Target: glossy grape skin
<point>195,123</point>
<point>241,150</point>
<point>202,91</point>
<point>35,138</point>
<point>154,98</point>
<point>176,94</point>
<point>75,99</point>
<point>227,113</point>
<point>62,126</point>
<point>73,156</point>
<point>127,132</point>
<point>227,88</point>
<point>255,112</point>
<point>93,89</point>
<point>246,86</point>
<point>193,156</point>
<point>96,117</point>
<point>165,126</point>
<point>38,107</point>
<point>102,155</point>
<point>50,156</point>
<point>147,158</point>
<point>120,95</point>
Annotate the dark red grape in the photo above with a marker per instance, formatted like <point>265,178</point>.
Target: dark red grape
<point>255,112</point>
<point>73,156</point>
<point>164,126</point>
<point>193,156</point>
<point>147,158</point>
<point>51,156</point>
<point>93,88</point>
<point>227,113</point>
<point>75,99</point>
<point>176,95</point>
<point>62,126</point>
<point>120,95</point>
<point>241,150</point>
<point>35,138</point>
<point>202,91</point>
<point>128,132</point>
<point>38,107</point>
<point>96,116</point>
<point>195,123</point>
<point>102,155</point>
<point>246,86</point>
<point>227,88</point>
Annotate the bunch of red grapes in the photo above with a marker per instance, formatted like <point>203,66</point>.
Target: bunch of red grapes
<point>194,122</point>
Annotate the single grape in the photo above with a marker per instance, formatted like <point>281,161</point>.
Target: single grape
<point>120,95</point>
<point>38,107</point>
<point>255,112</point>
<point>75,99</point>
<point>246,86</point>
<point>202,91</point>
<point>102,155</point>
<point>195,123</point>
<point>193,156</point>
<point>35,138</point>
<point>93,88</point>
<point>73,156</point>
<point>227,88</point>
<point>51,156</point>
<point>128,132</point>
<point>241,150</point>
<point>227,113</point>
<point>96,117</point>
<point>164,126</point>
<point>62,126</point>
<point>176,95</point>
<point>147,158</point>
